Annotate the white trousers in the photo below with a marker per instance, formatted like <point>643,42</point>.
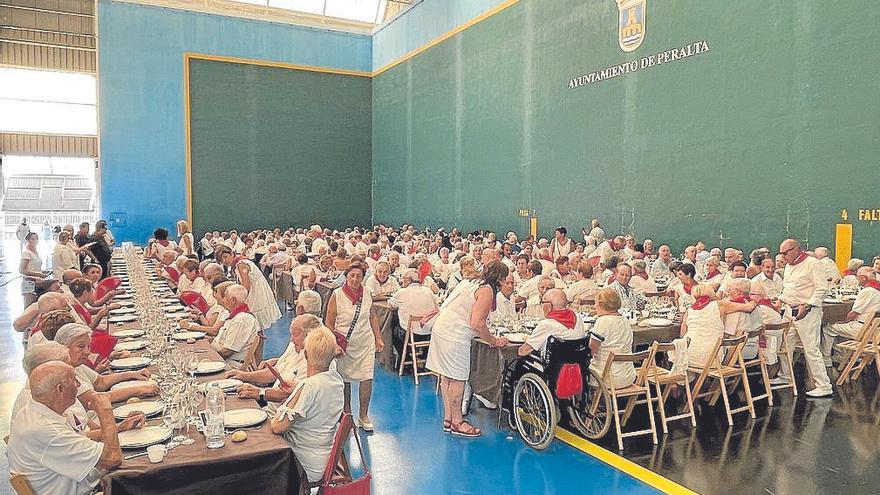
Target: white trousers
<point>849,329</point>
<point>809,332</point>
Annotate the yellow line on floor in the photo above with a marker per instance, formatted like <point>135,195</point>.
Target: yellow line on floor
<point>640,473</point>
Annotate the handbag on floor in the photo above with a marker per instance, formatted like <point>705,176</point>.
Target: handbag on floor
<point>337,479</point>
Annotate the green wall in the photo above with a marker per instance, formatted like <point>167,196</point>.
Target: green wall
<point>769,134</point>
<point>278,147</point>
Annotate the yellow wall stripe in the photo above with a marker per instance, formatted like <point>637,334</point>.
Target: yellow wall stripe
<point>186,121</point>
<point>270,63</point>
<point>444,37</point>
<point>842,245</point>
<point>640,473</point>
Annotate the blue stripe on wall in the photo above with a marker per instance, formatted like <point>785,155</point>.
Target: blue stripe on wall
<point>419,25</point>
<point>141,111</point>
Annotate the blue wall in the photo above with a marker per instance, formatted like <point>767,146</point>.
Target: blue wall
<point>141,109</point>
<point>425,22</point>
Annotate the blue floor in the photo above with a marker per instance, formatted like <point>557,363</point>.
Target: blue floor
<point>409,453</point>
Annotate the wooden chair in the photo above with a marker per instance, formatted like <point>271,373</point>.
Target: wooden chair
<point>18,481</point>
<point>411,347</point>
<point>662,378</point>
<point>721,369</point>
<point>760,362</point>
<point>784,351</point>
<point>631,393</point>
<point>860,352</point>
<point>253,353</point>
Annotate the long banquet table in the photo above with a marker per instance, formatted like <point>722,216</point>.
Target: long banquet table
<point>261,464</point>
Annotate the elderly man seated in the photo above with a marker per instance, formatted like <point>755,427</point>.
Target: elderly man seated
<point>559,322</point>
<point>739,323</point>
<point>867,303</point>
<point>584,288</point>
<point>641,282</point>
<point>527,293</point>
<point>30,321</point>
<point>661,268</point>
<point>51,454</point>
<point>629,298</point>
<point>239,330</point>
<point>504,305</point>
<point>769,314</point>
<point>736,269</point>
<point>309,303</point>
<point>291,367</point>
<point>413,299</point>
<point>769,278</point>
<point>381,284</point>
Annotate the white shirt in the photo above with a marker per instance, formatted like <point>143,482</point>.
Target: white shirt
<point>377,288</point>
<point>503,306</point>
<point>604,251</point>
<point>53,457</point>
<point>641,285</point>
<point>76,415</point>
<point>414,299</point>
<point>291,364</point>
<point>582,289</point>
<point>316,415</point>
<point>549,327</point>
<point>867,303</point>
<point>615,334</point>
<point>804,283</point>
<point>235,335</point>
<point>207,247</point>
<point>771,287</point>
<point>831,269</point>
<point>529,291</point>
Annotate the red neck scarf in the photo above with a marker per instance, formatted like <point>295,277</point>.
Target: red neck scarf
<point>702,302</point>
<point>355,296</point>
<point>873,284</point>
<point>240,309</point>
<point>163,242</point>
<point>236,259</point>
<point>83,313</point>
<point>740,299</point>
<point>688,287</point>
<point>848,272</point>
<point>799,259</point>
<point>765,302</point>
<point>376,255</point>
<point>644,275</point>
<point>610,280</point>
<point>567,317</point>
<point>712,274</point>
<point>37,325</point>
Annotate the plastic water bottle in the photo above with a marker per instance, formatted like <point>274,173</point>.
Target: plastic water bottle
<point>214,432</point>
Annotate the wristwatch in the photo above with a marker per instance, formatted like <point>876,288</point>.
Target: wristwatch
<point>263,394</point>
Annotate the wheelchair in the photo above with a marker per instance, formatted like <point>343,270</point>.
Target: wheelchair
<point>537,390</point>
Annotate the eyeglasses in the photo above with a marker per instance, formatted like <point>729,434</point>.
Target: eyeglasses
<point>785,253</point>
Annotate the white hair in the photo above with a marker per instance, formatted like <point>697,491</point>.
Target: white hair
<point>742,284</point>
<point>310,301</point>
<point>46,378</point>
<point>237,292</point>
<point>320,347</point>
<point>70,332</point>
<point>43,353</point>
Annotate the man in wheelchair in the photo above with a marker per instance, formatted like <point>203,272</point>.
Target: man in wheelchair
<point>552,375</point>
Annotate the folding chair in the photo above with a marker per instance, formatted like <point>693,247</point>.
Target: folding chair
<point>731,365</point>
<point>760,362</point>
<point>631,393</point>
<point>662,378</point>
<point>784,350</point>
<point>411,347</point>
<point>860,351</point>
<point>337,475</point>
<point>253,353</point>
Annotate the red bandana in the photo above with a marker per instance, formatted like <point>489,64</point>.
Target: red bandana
<point>83,313</point>
<point>687,288</point>
<point>873,284</point>
<point>848,272</point>
<point>765,302</point>
<point>712,274</point>
<point>163,242</point>
<point>740,299</point>
<point>355,296</point>
<point>376,255</point>
<point>702,302</point>
<point>236,259</point>
<point>567,317</point>
<point>799,259</point>
<point>240,309</point>
<point>643,275</point>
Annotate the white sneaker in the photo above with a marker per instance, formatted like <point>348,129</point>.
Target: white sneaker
<point>488,404</point>
<point>819,393</point>
<point>779,381</point>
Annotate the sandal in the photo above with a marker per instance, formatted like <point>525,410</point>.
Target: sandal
<point>447,425</point>
<point>470,432</point>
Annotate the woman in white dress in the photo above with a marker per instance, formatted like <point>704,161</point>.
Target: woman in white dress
<point>30,268</point>
<point>64,257</point>
<point>309,417</point>
<point>260,299</point>
<point>349,315</point>
<point>703,323</point>
<point>462,317</point>
<point>561,245</point>
<point>611,333</point>
<point>187,243</point>
<point>682,288</point>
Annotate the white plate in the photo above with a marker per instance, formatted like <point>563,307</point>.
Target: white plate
<point>131,345</point>
<point>123,318</point>
<point>123,296</point>
<point>123,311</point>
<point>169,300</point>
<point>131,332</point>
<point>148,407</point>
<point>132,383</point>
<point>655,322</point>
<point>849,297</point>
<point>176,308</point>
<point>225,384</point>
<point>181,336</point>
<point>144,437</point>
<point>130,363</point>
<point>210,367</point>
<point>242,418</point>
<point>516,338</point>
<point>828,300</point>
<point>124,304</point>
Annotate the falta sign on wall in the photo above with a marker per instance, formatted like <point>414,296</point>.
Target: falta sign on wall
<point>631,31</point>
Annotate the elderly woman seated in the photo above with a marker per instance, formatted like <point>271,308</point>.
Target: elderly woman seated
<point>291,366</point>
<point>612,333</point>
<point>212,321</point>
<point>78,340</point>
<point>51,454</point>
<point>309,417</point>
<point>240,329</point>
<point>83,292</point>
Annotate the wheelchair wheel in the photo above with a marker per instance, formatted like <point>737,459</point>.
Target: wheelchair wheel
<point>590,412</point>
<point>535,412</point>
